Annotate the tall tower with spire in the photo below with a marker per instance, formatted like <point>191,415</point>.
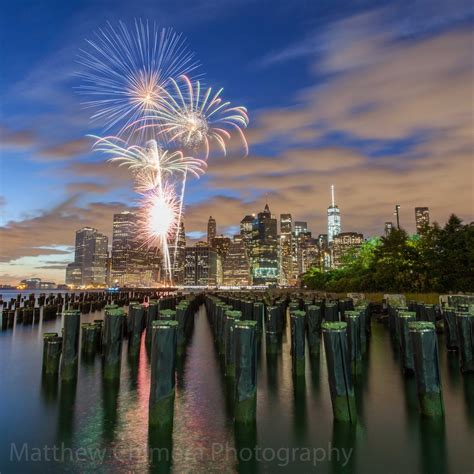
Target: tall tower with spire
<point>211,230</point>
<point>334,218</point>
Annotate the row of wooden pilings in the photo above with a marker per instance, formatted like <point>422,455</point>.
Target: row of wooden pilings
<point>414,330</point>
<point>240,321</point>
<point>167,324</point>
<point>32,308</point>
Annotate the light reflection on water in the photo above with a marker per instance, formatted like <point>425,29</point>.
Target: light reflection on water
<point>390,436</point>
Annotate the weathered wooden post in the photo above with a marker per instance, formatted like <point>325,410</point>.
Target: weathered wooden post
<point>465,327</point>
<point>339,371</point>
<point>404,319</point>
<point>313,323</point>
<point>231,318</point>
<point>52,347</point>
<point>70,350</point>
<point>298,342</point>
<point>163,364</point>
<point>271,329</point>
<point>113,343</point>
<point>245,340</point>
<point>425,353</point>
<point>354,340</point>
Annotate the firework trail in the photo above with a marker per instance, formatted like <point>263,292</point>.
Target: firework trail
<point>125,72</point>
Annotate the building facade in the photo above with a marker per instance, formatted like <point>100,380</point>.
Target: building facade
<point>422,218</point>
<point>236,265</point>
<point>211,230</point>
<point>201,265</point>
<point>265,259</point>
<point>344,243</point>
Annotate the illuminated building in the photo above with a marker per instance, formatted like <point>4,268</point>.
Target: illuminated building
<point>286,250</point>
<point>422,218</point>
<point>133,264</point>
<point>180,252</point>
<point>246,231</point>
<point>211,230</point>
<point>73,274</point>
<point>265,259</point>
<point>221,243</point>
<point>236,265</point>
<point>201,265</point>
<point>301,227</point>
<point>334,218</point>
<point>342,244</point>
<point>91,251</point>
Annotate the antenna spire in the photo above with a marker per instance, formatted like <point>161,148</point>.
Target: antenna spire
<point>332,194</point>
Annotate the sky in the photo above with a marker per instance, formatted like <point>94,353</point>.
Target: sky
<point>373,97</point>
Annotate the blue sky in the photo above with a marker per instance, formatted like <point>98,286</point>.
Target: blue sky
<point>374,97</point>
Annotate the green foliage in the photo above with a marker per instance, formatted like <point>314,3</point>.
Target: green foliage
<point>440,260</point>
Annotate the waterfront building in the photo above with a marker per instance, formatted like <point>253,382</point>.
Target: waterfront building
<point>178,256</point>
<point>73,274</point>
<point>221,243</point>
<point>91,251</point>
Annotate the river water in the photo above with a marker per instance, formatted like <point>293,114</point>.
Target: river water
<point>93,427</point>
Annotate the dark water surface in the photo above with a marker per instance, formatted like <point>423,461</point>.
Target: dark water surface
<point>295,431</point>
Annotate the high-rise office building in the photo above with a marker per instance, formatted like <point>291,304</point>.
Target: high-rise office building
<point>246,231</point>
<point>422,218</point>
<point>286,250</point>
<point>178,256</point>
<point>301,227</point>
<point>334,218</point>
<point>221,243</point>
<point>201,265</point>
<point>90,258</point>
<point>211,230</point>
<point>342,244</point>
<point>133,263</point>
<point>265,259</point>
<point>236,265</point>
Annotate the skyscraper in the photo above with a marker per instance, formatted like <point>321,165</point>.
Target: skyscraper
<point>133,264</point>
<point>201,265</point>
<point>211,230</point>
<point>301,227</point>
<point>90,258</point>
<point>265,260</point>
<point>334,218</point>
<point>180,253</point>
<point>236,265</point>
<point>286,249</point>
<point>246,231</point>
<point>221,243</point>
<point>422,218</point>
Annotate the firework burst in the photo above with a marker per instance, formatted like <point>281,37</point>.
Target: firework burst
<point>126,72</point>
<point>194,117</point>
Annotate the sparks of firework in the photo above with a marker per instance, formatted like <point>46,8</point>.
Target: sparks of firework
<point>150,164</point>
<point>193,117</point>
<point>126,71</point>
<point>158,219</point>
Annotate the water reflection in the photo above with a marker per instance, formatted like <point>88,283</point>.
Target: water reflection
<point>245,437</point>
<point>49,388</point>
<point>110,394</point>
<point>160,450</point>
<point>67,401</point>
<point>342,454</point>
<point>300,418</point>
<point>433,445</point>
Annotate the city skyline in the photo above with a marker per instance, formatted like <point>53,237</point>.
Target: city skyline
<point>322,108</point>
